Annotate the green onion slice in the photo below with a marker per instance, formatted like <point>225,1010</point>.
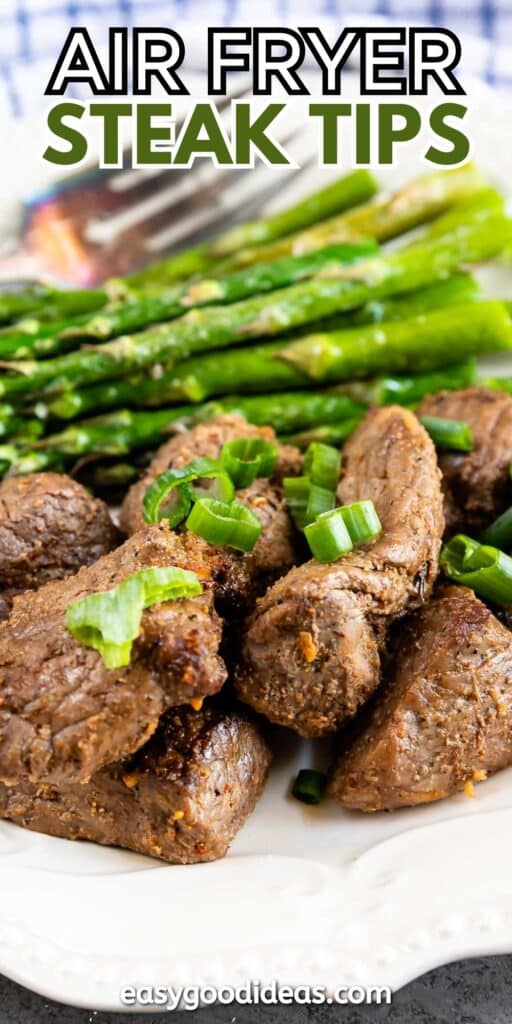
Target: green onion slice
<point>322,465</point>
<point>296,491</point>
<point>362,521</point>
<point>499,533</point>
<point>328,536</point>
<point>454,435</point>
<point>305,500</point>
<point>110,621</point>
<point>309,786</point>
<point>246,458</point>
<point>225,523</point>
<point>170,496</point>
<point>485,569</point>
<point>320,500</point>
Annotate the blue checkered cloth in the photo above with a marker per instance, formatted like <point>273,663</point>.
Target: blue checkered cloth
<point>32,31</point>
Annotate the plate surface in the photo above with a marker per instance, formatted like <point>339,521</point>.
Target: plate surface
<point>305,895</point>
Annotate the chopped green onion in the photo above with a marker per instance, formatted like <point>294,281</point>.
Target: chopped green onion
<point>110,621</point>
<point>485,569</point>
<point>455,435</point>
<point>170,496</point>
<point>246,458</point>
<point>309,786</point>
<point>229,523</point>
<point>320,500</point>
<point>362,521</point>
<point>322,464</point>
<point>499,533</point>
<point>305,500</point>
<point>328,536</point>
<point>296,491</point>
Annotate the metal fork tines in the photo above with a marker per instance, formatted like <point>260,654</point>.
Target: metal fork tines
<point>101,224</point>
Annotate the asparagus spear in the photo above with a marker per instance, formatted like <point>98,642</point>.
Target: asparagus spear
<point>341,194</point>
<point>453,291</point>
<point>327,433</point>
<point>242,370</point>
<point>415,346</point>
<point>125,431</point>
<point>217,373</point>
<point>409,389</point>
<point>170,304</point>
<point>483,205</point>
<point>18,461</point>
<point>114,475</point>
<point>49,303</point>
<point>219,327</point>
<point>290,411</point>
<point>414,204</point>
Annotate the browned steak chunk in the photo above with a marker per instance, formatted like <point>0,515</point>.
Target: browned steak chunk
<point>182,798</point>
<point>240,577</point>
<point>476,485</point>
<point>63,714</point>
<point>445,717</point>
<point>49,527</point>
<point>311,654</point>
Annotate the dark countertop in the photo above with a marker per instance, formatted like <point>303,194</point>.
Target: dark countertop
<point>468,992</point>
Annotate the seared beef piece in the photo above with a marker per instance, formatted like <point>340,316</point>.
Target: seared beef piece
<point>476,485</point>
<point>49,527</point>
<point>240,577</point>
<point>182,798</point>
<point>63,714</point>
<point>445,717</point>
<point>311,655</point>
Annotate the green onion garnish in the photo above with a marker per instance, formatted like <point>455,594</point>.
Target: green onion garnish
<point>328,536</point>
<point>485,569</point>
<point>320,500</point>
<point>362,521</point>
<point>499,533</point>
<point>170,496</point>
<point>110,621</point>
<point>305,500</point>
<point>296,491</point>
<point>309,786</point>
<point>229,523</point>
<point>322,465</point>
<point>454,435</point>
<point>246,458</point>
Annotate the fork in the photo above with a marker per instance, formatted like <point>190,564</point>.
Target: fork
<point>98,223</point>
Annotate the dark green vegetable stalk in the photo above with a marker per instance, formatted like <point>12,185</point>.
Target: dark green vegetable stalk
<point>220,327</point>
<point>126,431</point>
<point>341,194</point>
<point>326,433</point>
<point>257,368</point>
<point>453,291</point>
<point>172,303</point>
<point>416,203</point>
<point>34,338</point>
<point>241,370</point>
<point>50,303</point>
<point>113,475</point>
<point>294,410</point>
<point>449,435</point>
<point>416,345</point>
<point>409,389</point>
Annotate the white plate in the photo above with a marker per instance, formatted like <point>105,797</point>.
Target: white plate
<point>305,895</point>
